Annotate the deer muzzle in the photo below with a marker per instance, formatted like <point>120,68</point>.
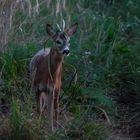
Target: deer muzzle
<point>66,51</point>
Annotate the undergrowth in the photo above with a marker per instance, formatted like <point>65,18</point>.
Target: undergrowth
<point>100,83</point>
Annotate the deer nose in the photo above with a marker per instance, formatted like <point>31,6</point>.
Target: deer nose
<point>66,52</point>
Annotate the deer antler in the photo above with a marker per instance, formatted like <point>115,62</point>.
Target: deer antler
<point>63,25</point>
<point>58,27</point>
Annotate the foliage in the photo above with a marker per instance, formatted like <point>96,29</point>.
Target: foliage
<point>100,77</point>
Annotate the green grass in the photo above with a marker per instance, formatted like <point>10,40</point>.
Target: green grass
<point>104,60</point>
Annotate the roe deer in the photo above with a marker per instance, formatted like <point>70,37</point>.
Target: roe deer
<point>45,69</point>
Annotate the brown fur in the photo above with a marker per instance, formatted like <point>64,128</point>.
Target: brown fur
<point>45,86</point>
<point>46,67</point>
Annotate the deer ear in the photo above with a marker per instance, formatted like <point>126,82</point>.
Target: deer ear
<point>51,32</point>
<point>72,29</point>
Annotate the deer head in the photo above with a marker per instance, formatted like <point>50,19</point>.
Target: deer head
<point>62,38</point>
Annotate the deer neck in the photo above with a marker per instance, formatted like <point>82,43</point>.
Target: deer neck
<point>55,62</point>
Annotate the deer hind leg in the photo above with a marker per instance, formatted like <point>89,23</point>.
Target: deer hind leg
<point>56,108</point>
<point>37,100</point>
<point>50,108</point>
<point>41,102</point>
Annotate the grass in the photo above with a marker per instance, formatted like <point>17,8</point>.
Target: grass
<point>100,77</point>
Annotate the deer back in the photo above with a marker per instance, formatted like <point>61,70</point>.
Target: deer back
<point>39,69</point>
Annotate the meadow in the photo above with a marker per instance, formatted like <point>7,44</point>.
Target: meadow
<point>100,94</point>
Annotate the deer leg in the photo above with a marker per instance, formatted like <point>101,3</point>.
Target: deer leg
<point>56,108</point>
<point>42,101</point>
<point>50,108</point>
<point>38,102</point>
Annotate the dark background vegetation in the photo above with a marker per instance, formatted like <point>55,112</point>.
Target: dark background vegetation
<point>100,96</point>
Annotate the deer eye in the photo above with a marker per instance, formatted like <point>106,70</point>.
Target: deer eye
<point>58,42</point>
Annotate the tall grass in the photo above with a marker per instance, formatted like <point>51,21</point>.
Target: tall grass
<point>99,78</point>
